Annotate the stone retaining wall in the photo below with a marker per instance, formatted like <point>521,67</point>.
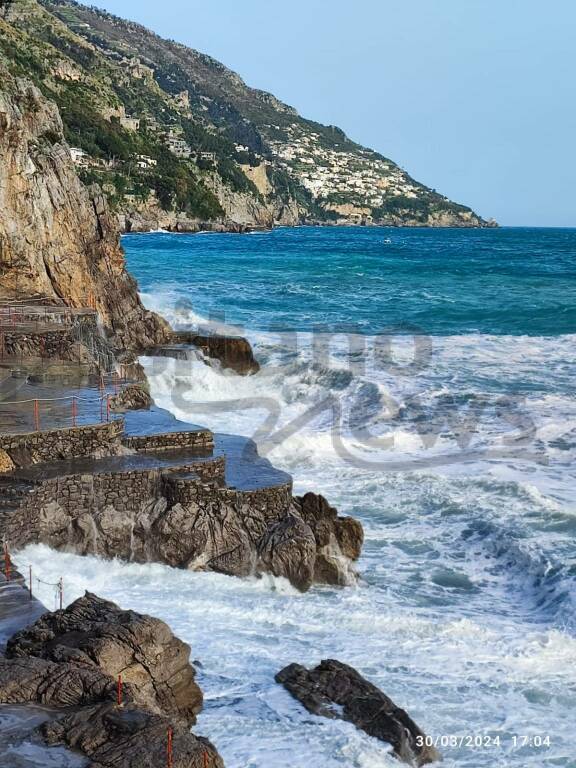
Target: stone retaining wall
<point>57,344</point>
<point>147,515</point>
<point>53,505</point>
<point>201,439</point>
<point>187,491</point>
<point>57,444</point>
<point>184,517</point>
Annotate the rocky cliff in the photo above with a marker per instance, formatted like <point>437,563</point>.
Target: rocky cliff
<point>179,141</point>
<point>57,237</point>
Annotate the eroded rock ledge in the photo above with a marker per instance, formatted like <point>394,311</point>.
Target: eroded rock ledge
<point>337,691</point>
<point>186,517</point>
<point>72,659</point>
<point>232,352</point>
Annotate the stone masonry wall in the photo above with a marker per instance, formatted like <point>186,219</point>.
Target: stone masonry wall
<point>185,517</point>
<point>53,445</point>
<point>53,505</point>
<point>187,491</point>
<point>58,344</point>
<point>201,439</point>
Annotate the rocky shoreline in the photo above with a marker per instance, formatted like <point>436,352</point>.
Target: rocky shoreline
<point>120,685</point>
<point>118,688</point>
<point>137,486</point>
<point>175,224</point>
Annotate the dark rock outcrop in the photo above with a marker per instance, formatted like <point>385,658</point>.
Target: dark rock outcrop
<point>337,539</point>
<point>288,549</point>
<point>37,681</point>
<point>337,691</point>
<point>233,352</point>
<point>127,737</point>
<point>134,397</point>
<point>93,636</point>
<point>71,660</point>
<point>188,518</point>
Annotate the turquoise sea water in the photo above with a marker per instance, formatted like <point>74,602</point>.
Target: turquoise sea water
<point>498,281</point>
<point>424,382</point>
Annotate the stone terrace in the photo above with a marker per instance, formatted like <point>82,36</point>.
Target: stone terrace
<point>144,487</point>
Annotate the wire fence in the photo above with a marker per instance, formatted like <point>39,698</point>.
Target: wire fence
<point>66,410</point>
<point>54,413</point>
<point>14,575</point>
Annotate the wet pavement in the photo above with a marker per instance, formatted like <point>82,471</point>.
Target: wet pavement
<point>20,744</point>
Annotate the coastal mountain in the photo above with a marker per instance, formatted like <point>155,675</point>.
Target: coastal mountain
<point>177,140</point>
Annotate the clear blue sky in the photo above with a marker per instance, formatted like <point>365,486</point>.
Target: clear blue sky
<point>473,97</point>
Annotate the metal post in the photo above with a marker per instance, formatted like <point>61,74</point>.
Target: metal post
<point>7,564</point>
<point>61,591</point>
<point>169,756</point>
<point>30,578</point>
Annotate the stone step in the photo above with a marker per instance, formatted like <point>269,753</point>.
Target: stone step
<point>14,490</point>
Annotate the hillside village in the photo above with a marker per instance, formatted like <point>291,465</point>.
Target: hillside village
<point>349,185</point>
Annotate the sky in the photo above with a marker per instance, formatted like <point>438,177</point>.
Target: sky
<point>472,97</point>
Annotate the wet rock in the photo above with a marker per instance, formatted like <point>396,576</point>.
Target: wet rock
<point>70,660</point>
<point>33,680</point>
<point>93,633</point>
<point>134,397</point>
<point>190,519</point>
<point>233,352</point>
<point>114,737</point>
<point>288,549</point>
<point>337,691</point>
<point>338,540</point>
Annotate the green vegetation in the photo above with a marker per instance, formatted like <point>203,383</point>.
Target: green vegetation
<point>90,63</point>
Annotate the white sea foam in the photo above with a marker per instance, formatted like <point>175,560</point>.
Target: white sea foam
<point>454,675</point>
<point>465,614</point>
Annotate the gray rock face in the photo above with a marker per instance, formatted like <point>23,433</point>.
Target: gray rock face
<point>71,660</point>
<point>32,680</point>
<point>114,737</point>
<point>338,540</point>
<point>93,641</point>
<point>335,690</point>
<point>288,549</point>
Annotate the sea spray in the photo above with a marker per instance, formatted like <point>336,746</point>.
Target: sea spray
<point>462,473</point>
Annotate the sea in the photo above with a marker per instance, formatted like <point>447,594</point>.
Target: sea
<point>423,381</point>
